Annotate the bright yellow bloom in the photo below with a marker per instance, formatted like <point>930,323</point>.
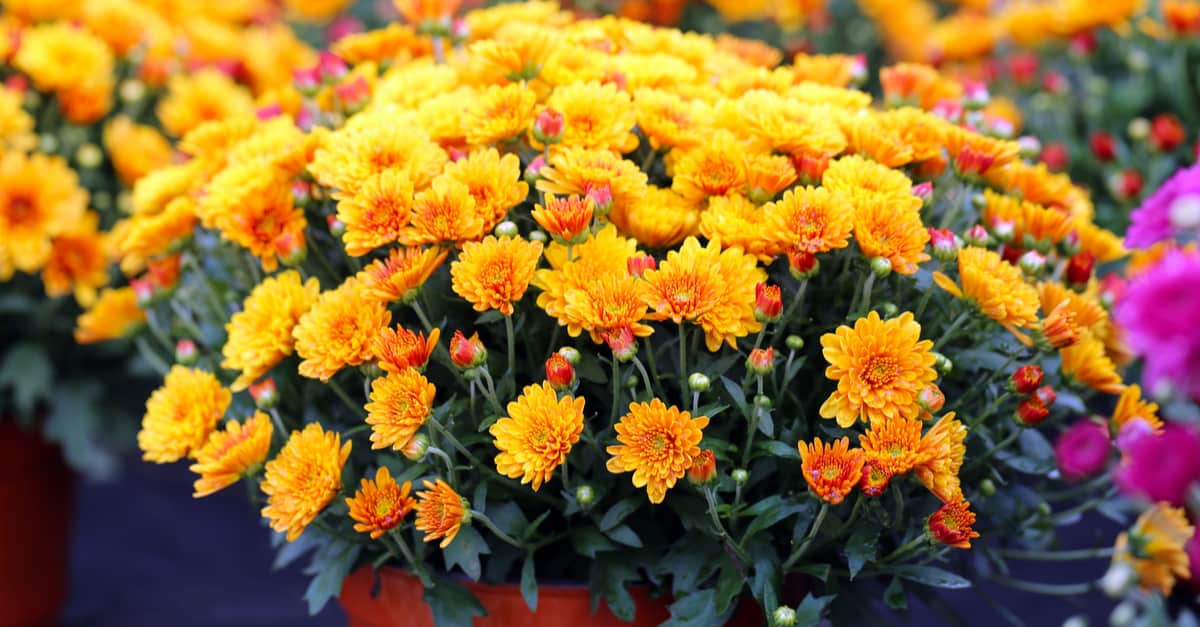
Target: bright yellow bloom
<point>181,414</point>
<point>1156,547</point>
<point>59,57</point>
<point>831,470</point>
<point>995,286</point>
<point>398,276</point>
<point>854,175</point>
<point>942,450</point>
<point>493,181</point>
<point>401,349</point>
<point>151,234</point>
<point>567,218</point>
<point>706,286</point>
<point>659,219</point>
<point>595,115</point>
<point>303,478</point>
<point>40,198</point>
<point>266,219</point>
<point>953,523</point>
<point>517,54</point>
<point>400,404</point>
<point>669,121</point>
<point>537,434</point>
<point>494,273</point>
<point>376,213</point>
<point>440,512</point>
<point>382,44</point>
<point>883,231</point>
<point>315,10</point>
<point>153,192</point>
<point>715,168</point>
<point>610,304</point>
<point>232,452</point>
<point>808,221</point>
<point>78,262</point>
<point>657,444</point>
<point>115,314</point>
<point>380,505</point>
<point>880,367</point>
<point>500,113</point>
<point>260,335</point>
<point>1069,315</point>
<point>767,175</point>
<point>1131,406</point>
<point>200,97</point>
<point>1031,222</point>
<point>1086,362</point>
<point>135,149</point>
<point>371,143</point>
<point>787,125</point>
<point>604,254</point>
<point>443,214</point>
<point>579,171</point>
<point>735,221</point>
<point>338,330</point>
<point>16,125</point>
<point>827,69</point>
<point>893,444</point>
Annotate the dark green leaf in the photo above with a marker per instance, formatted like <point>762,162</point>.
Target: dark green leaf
<point>820,571</point>
<point>736,394</point>
<point>768,517</point>
<point>589,369</point>
<point>895,596</point>
<point>775,448</point>
<point>765,423</point>
<point>930,576</point>
<point>729,586</point>
<point>479,499</point>
<point>27,370</point>
<point>76,422</point>
<point>330,565</point>
<point>609,577</point>
<point>488,317</point>
<point>291,551</point>
<point>792,369</point>
<point>464,552</point>
<point>861,547</point>
<point>620,511</point>
<point>1035,446</point>
<point>694,609</point>
<point>588,541</point>
<point>808,614</point>
<point>452,604</point>
<point>975,359</point>
<point>625,535</point>
<point>1070,400</point>
<point>529,588</point>
<point>689,563</point>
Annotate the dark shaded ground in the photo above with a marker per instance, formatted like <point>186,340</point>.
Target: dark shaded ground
<point>145,554</point>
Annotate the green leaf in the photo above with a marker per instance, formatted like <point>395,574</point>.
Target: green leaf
<point>452,604</point>
<point>464,552</point>
<point>625,535</point>
<point>330,565</point>
<point>529,588</point>
<point>694,609</point>
<point>808,614</point>
<point>930,576</point>
<point>861,547</point>
<point>820,571</point>
<point>894,596</point>
<point>479,499</point>
<point>765,423</point>
<point>608,579</point>
<point>27,370</point>
<point>791,370</point>
<point>767,517</point>
<point>1035,446</point>
<point>729,586</point>
<point>620,511</point>
<point>689,563</point>
<point>77,423</point>
<point>588,541</point>
<point>775,448</point>
<point>736,394</point>
<point>488,317</point>
<point>589,369</point>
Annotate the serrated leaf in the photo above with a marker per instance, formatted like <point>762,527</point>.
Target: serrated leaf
<point>820,571</point>
<point>894,595</point>
<point>808,614</point>
<point>452,604</point>
<point>331,564</point>
<point>529,588</point>
<point>694,609</point>
<point>464,552</point>
<point>861,547</point>
<point>488,317</point>
<point>291,551</point>
<point>609,575</point>
<point>930,576</point>
<point>620,511</point>
<point>588,541</point>
<point>688,564</point>
<point>27,370</point>
<point>625,535</point>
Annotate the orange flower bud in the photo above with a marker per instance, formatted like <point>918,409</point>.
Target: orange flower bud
<point>467,353</point>
<point>704,468</point>
<point>1026,379</point>
<point>931,399</point>
<point>264,393</point>
<point>639,264</point>
<point>1031,412</point>
<point>622,343</point>
<point>761,361</point>
<point>560,374</point>
<point>768,304</point>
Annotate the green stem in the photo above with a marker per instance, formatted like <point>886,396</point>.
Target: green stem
<point>789,312</point>
<point>1065,589</point>
<point>346,400</point>
<point>417,567</point>
<point>949,333</point>
<point>214,299</point>
<point>512,351</point>
<point>906,548</point>
<point>868,286</point>
<point>151,357</point>
<point>489,390</point>
<point>987,412</point>
<point>683,373</point>
<point>487,522</point>
<point>649,160</point>
<point>754,417</point>
<point>808,540</point>
<point>645,376</point>
<point>444,432</point>
<point>1057,556</point>
<point>924,302</point>
<point>1008,439</point>
<point>445,458</point>
<point>616,390</point>
<point>278,420</point>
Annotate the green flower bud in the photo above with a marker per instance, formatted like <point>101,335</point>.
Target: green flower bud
<point>508,228</point>
<point>631,381</point>
<point>889,309</point>
<point>783,616</point>
<point>570,354</point>
<point>763,401</point>
<point>416,448</point>
<point>698,382</point>
<point>740,476</point>
<point>537,236</point>
<point>987,487</point>
<point>1138,129</point>
<point>585,495</point>
<point>794,342</point>
<point>881,266</point>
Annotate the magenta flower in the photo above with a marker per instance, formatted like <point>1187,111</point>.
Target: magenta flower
<point>1082,450</point>
<point>1151,222</point>
<point>1161,468</point>
<point>1193,551</point>
<point>1158,312</point>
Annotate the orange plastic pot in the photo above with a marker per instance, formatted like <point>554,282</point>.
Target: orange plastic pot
<point>37,491</point>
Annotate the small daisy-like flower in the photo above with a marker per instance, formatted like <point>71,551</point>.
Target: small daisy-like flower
<point>376,212</point>
<point>715,168</point>
<point>303,478</point>
<point>856,175</point>
<point>1156,547</point>
<point>398,276</point>
<point>995,286</point>
<point>658,444</point>
<point>941,453</point>
<point>181,414</point>
<point>443,214</point>
<point>115,314</point>
<point>537,435</point>
<point>809,220</point>
<point>566,218</point>
<point>494,273</point>
<point>500,113</point>
<point>338,331</point>
<point>232,452</point>
<point>611,303</point>
<point>880,367</point>
<point>893,445</point>
<point>380,505</point>
<point>951,525</point>
<point>400,349</point>
<point>260,335</point>
<point>831,470</point>
<point>400,404</point>
<point>883,231</point>
<point>595,115</point>
<point>440,512</point>
<point>492,180</point>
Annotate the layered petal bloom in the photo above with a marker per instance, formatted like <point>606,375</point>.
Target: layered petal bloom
<point>995,286</point>
<point>231,452</point>
<point>398,276</point>
<point>399,349</point>
<point>1162,467</point>
<point>1156,548</point>
<point>538,433</point>
<point>494,273</point>
<point>440,512</point>
<point>303,478</point>
<point>952,525</point>
<point>260,335</point>
<point>181,414</point>
<point>831,470</point>
<point>338,331</point>
<point>400,404</point>
<point>1157,314</point>
<point>658,444</point>
<point>380,504</point>
<point>942,451</point>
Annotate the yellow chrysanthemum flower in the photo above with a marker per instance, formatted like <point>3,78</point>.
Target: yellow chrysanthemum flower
<point>40,198</point>
<point>831,470</point>
<point>855,175</point>
<point>16,125</point>
<point>181,414</point>
<point>670,121</point>
<point>60,57</point>
<point>808,221</point>
<point>517,53</point>
<point>610,304</point>
<point>231,452</point>
<point>400,349</point>
<point>942,451</point>
<point>1087,362</point>
<point>1031,222</point>
<point>149,234</point>
<point>376,213</point>
<point>382,44</point>
<point>260,335</point>
<point>893,444</point>
<point>836,70</point>
<point>1156,547</point>
<point>706,286</point>
<point>78,261</point>
<point>135,149</point>
<point>883,231</point>
<point>1131,407</point>
<point>659,219</point>
<point>338,330</point>
<point>537,434</point>
<point>995,286</point>
<point>380,505</point>
<point>315,10</point>
<point>494,273</point>
<point>115,314</point>
<point>715,168</point>
<point>443,214</point>
<point>303,478</point>
<point>440,512</point>
<point>734,220</point>
<point>400,404</point>
<point>500,113</point>
<point>605,253</point>
<point>264,222</point>
<point>153,192</point>
<point>398,276</point>
<point>657,444</point>
<point>595,116</point>
<point>371,143</point>
<point>205,95</point>
<point>580,171</point>
<point>493,181</point>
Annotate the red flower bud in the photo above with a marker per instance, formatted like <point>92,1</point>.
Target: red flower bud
<point>977,236</point>
<point>1046,395</point>
<point>336,226</point>
<point>330,66</point>
<point>548,126</point>
<point>810,168</point>
<point>1054,82</point>
<point>353,95</point>
<point>533,171</point>
<point>143,290</point>
<point>264,393</point>
<point>703,469</point>
<point>1031,411</point>
<point>1079,268</point>
<point>931,399</point>
<point>622,342</point>
<point>291,248</point>
<point>467,353</point>
<point>185,352</point>
<point>1166,132</point>
<point>1055,156</point>
<point>761,361</point>
<point>802,265</point>
<point>560,374</point>
<point>768,304</point>
<point>602,199</point>
<point>1103,145</point>
<point>923,190</point>
<point>639,264</point>
<point>944,244</point>
<point>1026,379</point>
<point>1023,67</point>
<point>1083,44</point>
<point>1126,185</point>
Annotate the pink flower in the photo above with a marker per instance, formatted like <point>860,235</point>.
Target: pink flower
<point>1193,551</point>
<point>1161,468</point>
<point>1151,222</point>
<point>1082,450</point>
<point>1158,311</point>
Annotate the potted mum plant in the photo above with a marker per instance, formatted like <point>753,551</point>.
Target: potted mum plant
<point>523,315</point>
<point>80,85</point>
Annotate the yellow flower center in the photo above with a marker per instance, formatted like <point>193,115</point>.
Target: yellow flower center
<point>831,472</point>
<point>880,370</point>
<point>384,506</point>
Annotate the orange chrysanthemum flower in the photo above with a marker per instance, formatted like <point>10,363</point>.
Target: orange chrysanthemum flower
<point>500,113</point>
<point>595,115</point>
<point>942,450</point>
<point>1087,362</point>
<point>670,121</point>
<point>1156,547</point>
<point>580,171</point>
<point>152,234</point>
<point>494,273</point>
<point>440,512</point>
<point>657,444</point>
<point>135,149</point>
<point>115,314</point>
<point>60,56</point>
<point>809,220</point>
<point>609,305</point>
<point>831,470</point>
<point>181,414</point>
<point>855,175</point>
<point>40,197</point>
<point>995,286</point>
<point>266,216</point>
<point>660,218</point>
<point>443,214</point>
<point>767,175</point>
<point>380,505</point>
<point>734,220</point>
<point>232,452</point>
<point>827,69</point>
<point>400,349</point>
<point>537,435</point>
<point>976,154</point>
<point>951,524</point>
<point>400,404</point>
<point>260,335</point>
<point>400,275</point>
<point>371,143</point>
<point>303,478</point>
<point>1031,222</point>
<point>709,287</point>
<point>605,253</point>
<point>338,331</point>
<point>201,96</point>
<point>1132,407</point>
<point>567,219</point>
<point>715,168</point>
<point>78,262</point>
<point>880,367</point>
<point>494,182</point>
<point>893,445</point>
<point>376,212</point>
<point>884,232</point>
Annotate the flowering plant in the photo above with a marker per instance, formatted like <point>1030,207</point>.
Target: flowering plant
<point>515,289</point>
<point>86,88</point>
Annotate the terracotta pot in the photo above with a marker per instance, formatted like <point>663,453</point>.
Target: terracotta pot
<point>37,493</point>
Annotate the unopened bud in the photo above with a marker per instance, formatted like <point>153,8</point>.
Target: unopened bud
<point>1032,263</point>
<point>889,309</point>
<point>1026,379</point>
<point>944,243</point>
<point>1031,412</point>
<point>803,265</point>
<point>761,361</point>
<point>89,156</point>
<point>698,382</point>
<point>548,126</point>
<point>622,343</point>
<point>416,448</point>
<point>467,352</point>
<point>881,266</point>
<point>507,228</point>
<point>931,399</point>
<point>336,227</point>
<point>639,264</point>
<point>975,95</point>
<point>1003,231</point>
<point>703,469</point>
<point>783,616</point>
<point>538,236</point>
<point>1138,129</point>
<point>602,200</point>
<point>977,236</point>
<point>533,171</point>
<point>924,191</point>
<point>571,354</point>
<point>794,342</point>
<point>585,495</point>
<point>987,487</point>
<point>291,248</point>
<point>768,303</point>
<point>740,476</point>
<point>1046,395</point>
<point>1029,146</point>
<point>264,393</point>
<point>185,352</point>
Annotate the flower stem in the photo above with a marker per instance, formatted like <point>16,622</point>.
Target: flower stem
<point>1065,589</point>
<point>616,388</point>
<point>645,376</point>
<point>512,351</point>
<point>987,412</point>
<point>753,426</point>
<point>791,309</point>
<point>283,430</point>
<point>868,286</point>
<point>158,363</point>
<point>487,522</point>
<point>417,567</point>
<point>1057,556</point>
<point>949,333</point>
<point>489,390</point>
<point>346,400</point>
<point>1008,439</point>
<point>683,373</point>
<point>906,548</point>
<point>445,458</point>
<point>808,540</point>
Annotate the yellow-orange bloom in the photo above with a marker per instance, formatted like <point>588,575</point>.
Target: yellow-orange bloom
<point>893,444</point>
<point>494,273</point>
<point>659,218</point>
<point>400,349</point>
<point>831,470</point>
<point>995,286</point>
<point>1156,547</point>
<point>40,197</point>
<point>135,149</point>
<point>115,314</point>
<point>338,331</point>
<point>734,220</point>
<point>580,171</point>
<point>884,232</point>
<point>714,168</point>
<point>809,220</point>
<point>443,214</point>
<point>380,505</point>
<point>440,512</point>
<point>1131,406</point>
<point>400,404</point>
<point>1087,362</point>
<point>604,253</point>
<point>567,218</point>
<point>376,213</point>
<point>595,115</point>
<point>500,113</point>
<point>942,450</point>
<point>231,452</point>
<point>493,181</point>
<point>1031,222</point>
<point>880,367</point>
<point>610,304</point>
<point>260,335</point>
<point>181,414</point>
<point>854,175</point>
<point>199,97</point>
<point>537,434</point>
<point>303,478</point>
<point>61,57</point>
<point>398,276</point>
<point>657,444</point>
<point>78,262</point>
<point>952,524</point>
